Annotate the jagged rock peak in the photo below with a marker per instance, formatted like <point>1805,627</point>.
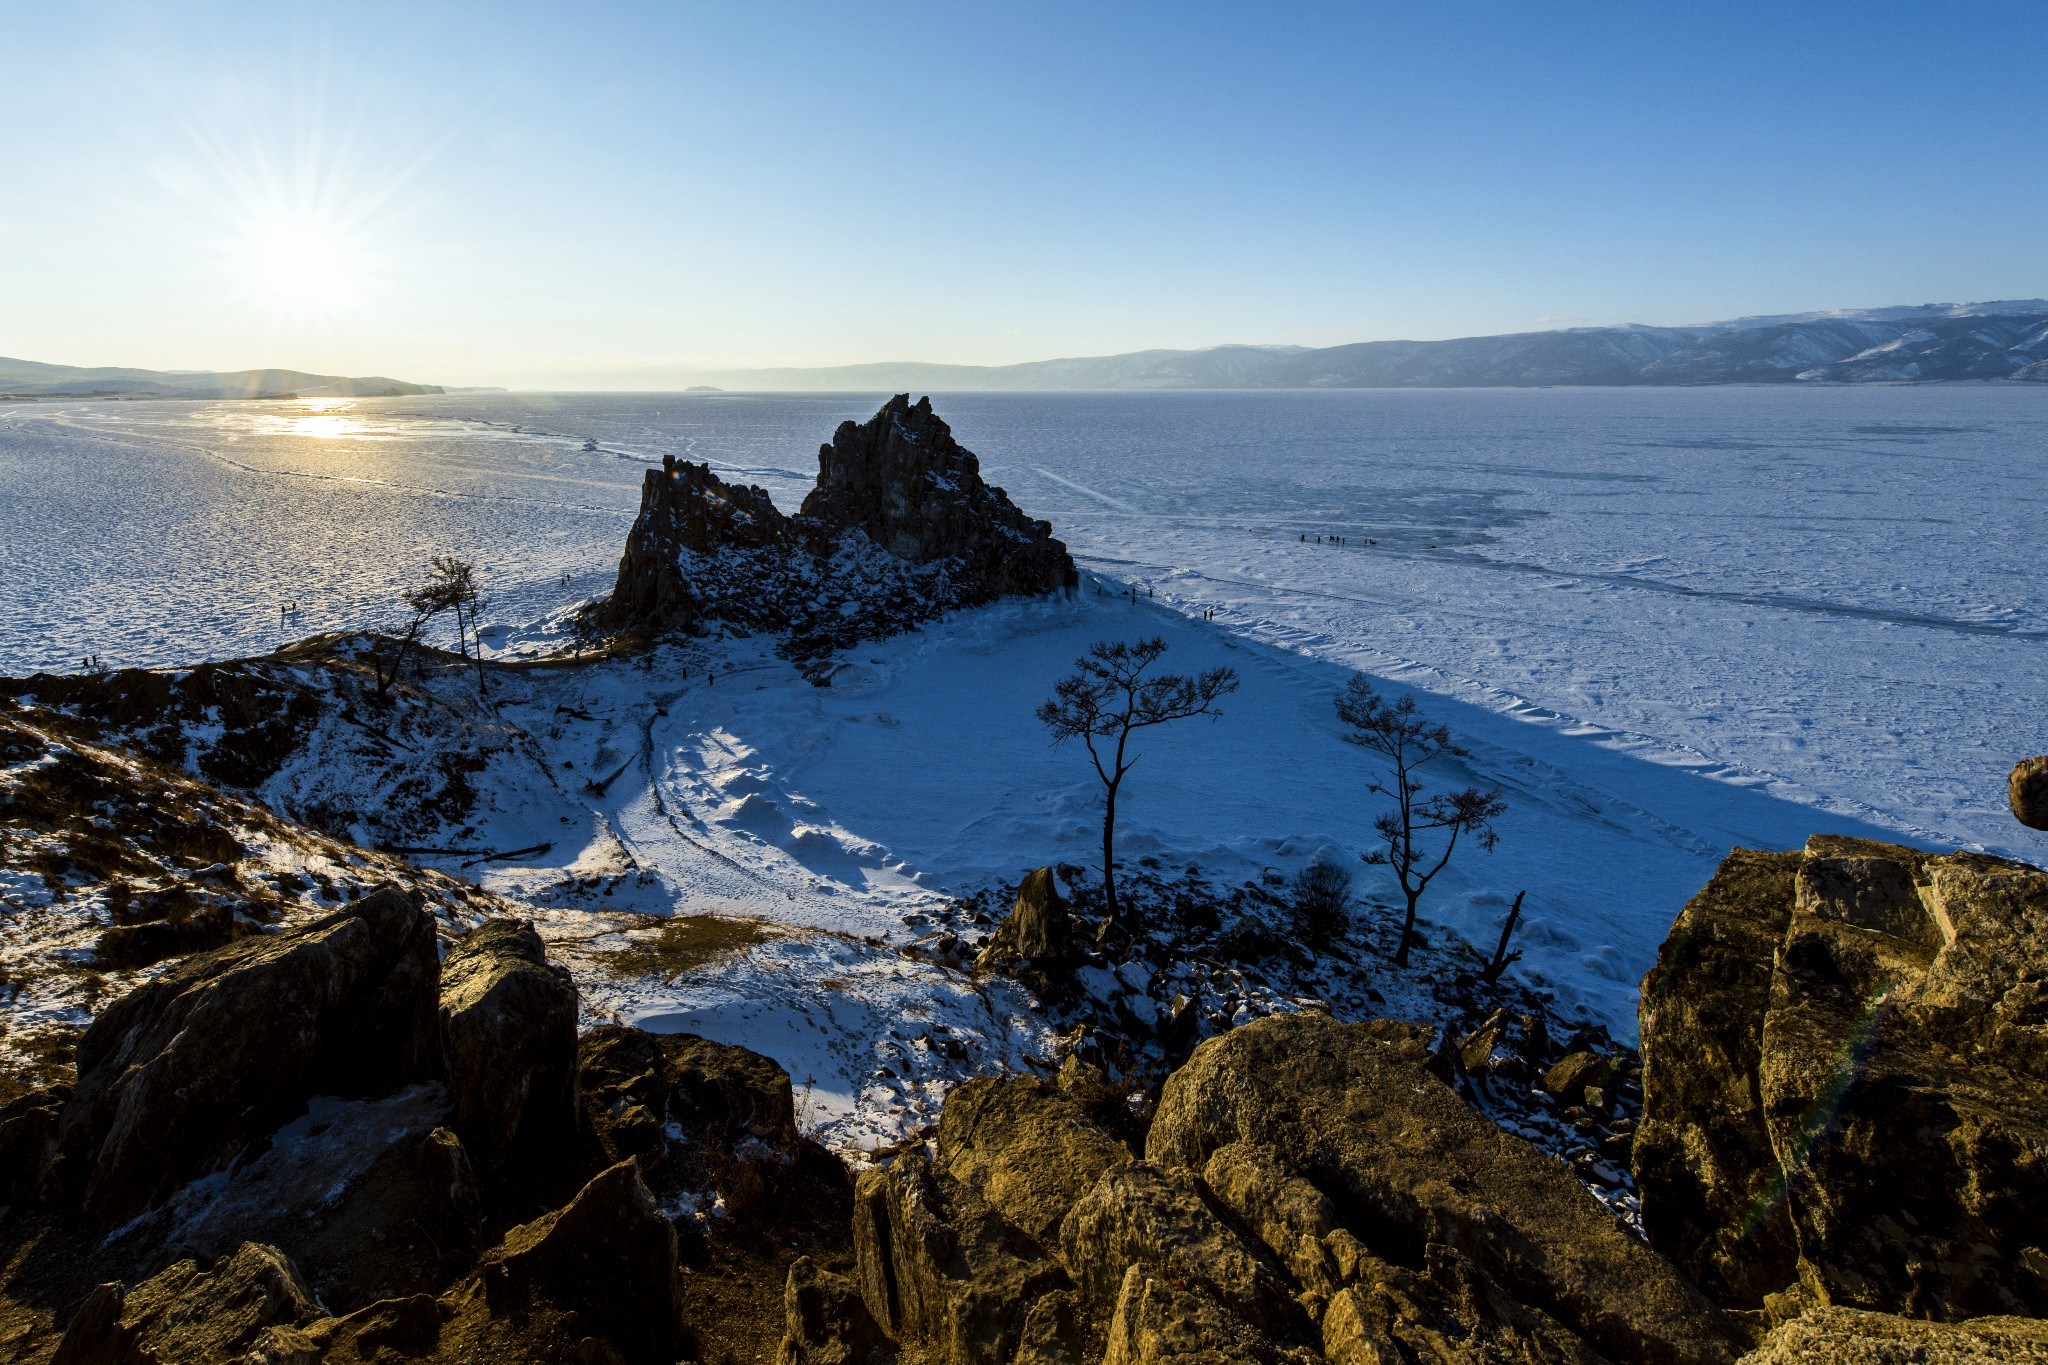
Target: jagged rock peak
<point>918,493</point>
<point>899,528</point>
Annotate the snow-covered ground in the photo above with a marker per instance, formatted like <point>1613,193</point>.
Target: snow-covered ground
<point>1664,622</point>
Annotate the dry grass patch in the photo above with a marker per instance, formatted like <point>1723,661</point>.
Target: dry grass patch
<point>668,948</point>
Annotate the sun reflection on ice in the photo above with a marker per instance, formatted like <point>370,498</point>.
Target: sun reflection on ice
<point>325,419</point>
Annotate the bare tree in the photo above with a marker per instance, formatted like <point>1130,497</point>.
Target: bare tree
<point>1105,701</point>
<point>450,584</point>
<point>1400,734</point>
<point>453,581</point>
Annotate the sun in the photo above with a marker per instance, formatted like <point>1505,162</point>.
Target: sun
<point>303,266</point>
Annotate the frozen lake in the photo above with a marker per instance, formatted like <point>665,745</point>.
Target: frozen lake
<point>1828,600</point>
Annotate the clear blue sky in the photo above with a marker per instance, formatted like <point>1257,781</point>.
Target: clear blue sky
<point>550,193</point>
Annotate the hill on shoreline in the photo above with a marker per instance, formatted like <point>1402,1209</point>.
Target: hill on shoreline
<point>34,379</point>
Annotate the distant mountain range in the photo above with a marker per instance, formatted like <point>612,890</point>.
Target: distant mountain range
<point>2005,340</point>
<point>1919,343</point>
<point>33,379</point>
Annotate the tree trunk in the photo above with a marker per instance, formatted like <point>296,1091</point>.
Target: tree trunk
<point>1109,856</point>
<point>479,655</point>
<point>1407,930</point>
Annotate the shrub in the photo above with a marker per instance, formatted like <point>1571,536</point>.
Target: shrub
<point>1322,903</point>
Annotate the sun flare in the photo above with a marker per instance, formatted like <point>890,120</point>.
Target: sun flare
<point>304,266</point>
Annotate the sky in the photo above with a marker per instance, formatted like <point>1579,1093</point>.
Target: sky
<point>572,195</point>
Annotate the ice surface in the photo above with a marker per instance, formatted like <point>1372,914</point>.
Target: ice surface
<point>1667,622</point>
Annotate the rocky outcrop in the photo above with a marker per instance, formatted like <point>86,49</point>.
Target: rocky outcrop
<point>686,511</point>
<point>2027,789</point>
<point>508,1038</point>
<point>1038,933</point>
<point>899,528</point>
<point>710,1125</point>
<point>1138,1217</point>
<point>1169,1321</point>
<point>1845,1336</point>
<point>178,1076</point>
<point>939,1265</point>
<point>1843,1077</point>
<point>902,479</point>
<point>607,1260</point>
<point>188,1315</point>
<point>1027,1147</point>
<point>1701,1157</point>
<point>1309,1188</point>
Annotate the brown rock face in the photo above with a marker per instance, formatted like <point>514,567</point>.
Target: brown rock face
<point>1312,1192</point>
<point>1709,1197</point>
<point>901,478</point>
<point>1423,1183</point>
<point>826,1322</point>
<point>370,1199</point>
<point>1027,1148</point>
<point>608,1259</point>
<point>508,1036</point>
<point>188,1316</point>
<point>939,1265</point>
<point>1844,1067</point>
<point>2028,790</point>
<point>1140,1218</point>
<point>177,1076</point>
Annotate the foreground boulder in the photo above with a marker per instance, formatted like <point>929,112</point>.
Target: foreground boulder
<point>371,1199</point>
<point>508,1037</point>
<point>826,1322</point>
<point>711,1126</point>
<point>1845,1084</point>
<point>1309,1190</point>
<point>1431,1203</point>
<point>179,1075</point>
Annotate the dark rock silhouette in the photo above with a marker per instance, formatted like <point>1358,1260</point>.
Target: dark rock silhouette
<point>188,1314</point>
<point>899,528</point>
<point>901,478</point>
<point>608,1259</point>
